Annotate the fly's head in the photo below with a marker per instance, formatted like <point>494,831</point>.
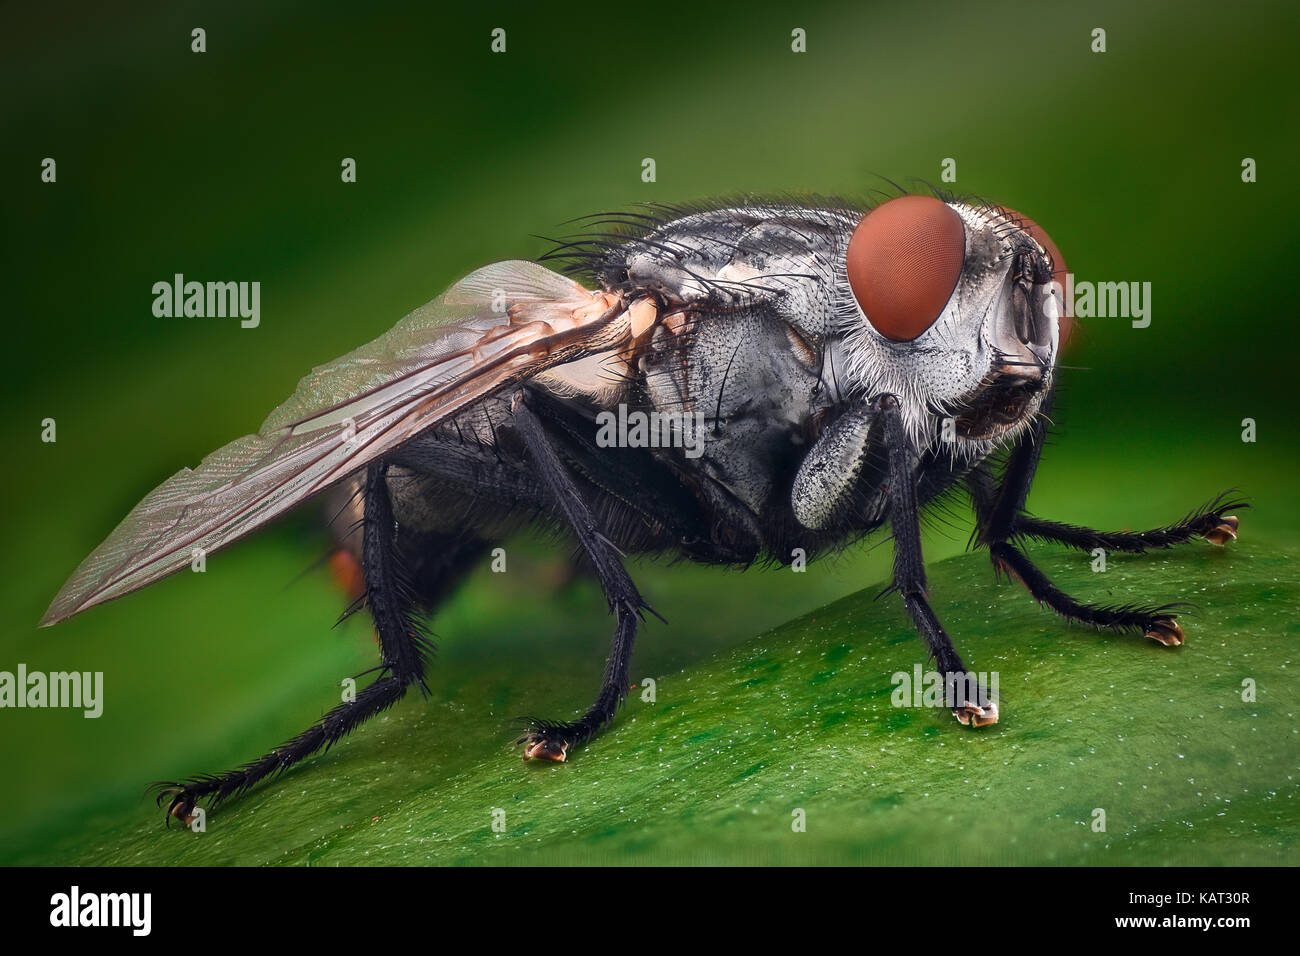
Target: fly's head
<point>957,310</point>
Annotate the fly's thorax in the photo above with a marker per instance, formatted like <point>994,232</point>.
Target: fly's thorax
<point>718,261</point>
<point>752,391</point>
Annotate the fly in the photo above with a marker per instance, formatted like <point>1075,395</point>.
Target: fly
<point>839,366</point>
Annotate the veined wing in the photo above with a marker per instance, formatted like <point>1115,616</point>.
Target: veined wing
<point>495,327</point>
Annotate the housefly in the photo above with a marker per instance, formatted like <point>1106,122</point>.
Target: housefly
<point>814,372</point>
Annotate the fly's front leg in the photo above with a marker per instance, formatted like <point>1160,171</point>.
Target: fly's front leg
<point>828,477</point>
<point>1003,522</point>
<point>552,740</point>
<point>1211,522</point>
<point>973,705</point>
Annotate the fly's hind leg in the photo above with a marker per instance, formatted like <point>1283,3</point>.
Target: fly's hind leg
<point>552,740</point>
<point>391,596</point>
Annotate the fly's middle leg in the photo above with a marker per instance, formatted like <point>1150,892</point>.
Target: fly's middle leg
<point>552,740</point>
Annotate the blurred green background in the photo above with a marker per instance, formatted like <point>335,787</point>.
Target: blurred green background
<point>225,166</point>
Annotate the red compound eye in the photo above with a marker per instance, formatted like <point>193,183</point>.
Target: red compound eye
<point>1059,269</point>
<point>904,260</point>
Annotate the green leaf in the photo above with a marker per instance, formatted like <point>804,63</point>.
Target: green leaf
<point>800,718</point>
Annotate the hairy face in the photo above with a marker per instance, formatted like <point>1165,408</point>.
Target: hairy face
<point>957,313</point>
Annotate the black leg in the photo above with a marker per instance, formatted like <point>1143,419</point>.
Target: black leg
<point>909,566</point>
<point>551,739</point>
<point>403,646</point>
<point>1211,522</point>
<point>1002,521</point>
<point>1157,622</point>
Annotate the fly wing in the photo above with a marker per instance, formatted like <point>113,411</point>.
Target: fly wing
<point>498,325</point>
